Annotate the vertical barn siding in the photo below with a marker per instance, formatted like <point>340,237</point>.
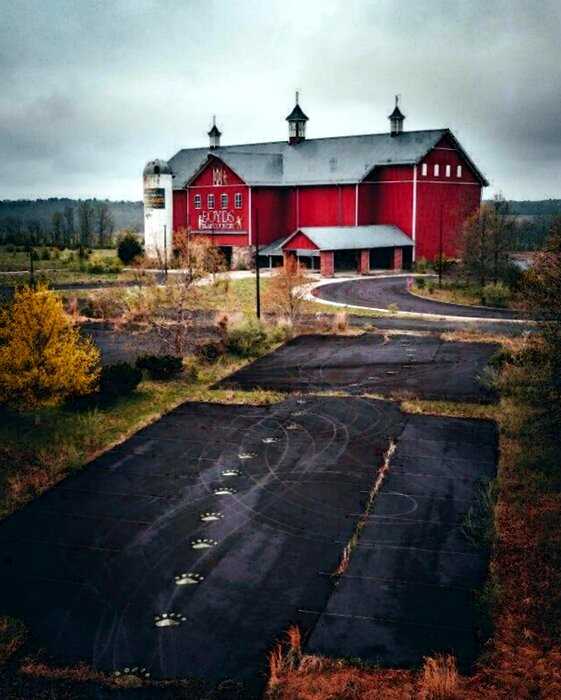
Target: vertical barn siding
<point>328,205</point>
<point>386,197</point>
<point>457,202</point>
<point>274,214</point>
<point>457,197</point>
<point>179,209</point>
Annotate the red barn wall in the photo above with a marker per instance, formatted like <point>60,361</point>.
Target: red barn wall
<point>386,197</point>
<point>179,209</point>
<point>326,205</point>
<point>274,213</point>
<point>456,197</point>
<point>229,226</point>
<point>300,242</point>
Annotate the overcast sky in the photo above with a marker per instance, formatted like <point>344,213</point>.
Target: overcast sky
<point>91,89</point>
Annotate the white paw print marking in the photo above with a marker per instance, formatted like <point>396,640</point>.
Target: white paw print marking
<point>293,426</point>
<point>299,413</point>
<point>270,440</point>
<point>203,543</point>
<point>230,471</point>
<point>188,579</point>
<point>224,491</point>
<point>171,619</point>
<point>210,517</point>
<point>138,671</point>
<point>301,401</point>
<point>246,455</point>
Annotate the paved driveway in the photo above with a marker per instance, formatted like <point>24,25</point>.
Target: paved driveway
<point>381,292</point>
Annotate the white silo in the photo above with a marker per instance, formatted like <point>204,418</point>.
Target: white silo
<point>158,209</point>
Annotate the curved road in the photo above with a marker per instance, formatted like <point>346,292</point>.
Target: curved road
<point>379,293</point>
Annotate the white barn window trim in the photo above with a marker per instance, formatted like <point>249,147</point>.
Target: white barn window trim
<point>459,171</point>
<point>210,201</point>
<point>424,170</point>
<point>436,170</point>
<point>224,201</point>
<point>448,170</point>
<point>197,201</point>
<point>238,200</point>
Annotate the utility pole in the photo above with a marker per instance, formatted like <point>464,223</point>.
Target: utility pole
<point>440,250</point>
<point>165,253</point>
<point>257,280</point>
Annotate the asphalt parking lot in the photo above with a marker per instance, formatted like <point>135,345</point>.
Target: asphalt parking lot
<point>421,366</point>
<point>190,548</point>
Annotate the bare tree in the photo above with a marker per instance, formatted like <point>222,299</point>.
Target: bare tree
<point>58,228</point>
<point>68,225</point>
<point>486,239</point>
<point>85,223</point>
<point>284,294</point>
<point>166,308</point>
<point>103,223</point>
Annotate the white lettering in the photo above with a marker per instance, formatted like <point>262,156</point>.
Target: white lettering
<point>220,219</point>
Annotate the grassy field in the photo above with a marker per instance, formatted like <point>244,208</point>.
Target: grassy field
<point>38,451</point>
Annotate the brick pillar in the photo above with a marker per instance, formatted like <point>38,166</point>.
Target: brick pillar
<point>289,258</point>
<point>397,258</point>
<point>364,262</point>
<point>327,263</point>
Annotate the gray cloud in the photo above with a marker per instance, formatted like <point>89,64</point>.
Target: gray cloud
<point>89,90</point>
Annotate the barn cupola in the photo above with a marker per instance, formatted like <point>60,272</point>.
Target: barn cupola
<point>214,135</point>
<point>396,119</point>
<point>296,124</point>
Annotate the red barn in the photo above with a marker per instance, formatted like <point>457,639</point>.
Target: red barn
<point>340,203</point>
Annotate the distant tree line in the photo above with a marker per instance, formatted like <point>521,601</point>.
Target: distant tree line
<point>532,221</point>
<point>65,222</point>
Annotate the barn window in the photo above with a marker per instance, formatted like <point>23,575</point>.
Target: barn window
<point>459,171</point>
<point>448,170</point>
<point>238,200</point>
<point>197,201</point>
<point>210,201</point>
<point>436,170</point>
<point>224,201</point>
<point>424,169</point>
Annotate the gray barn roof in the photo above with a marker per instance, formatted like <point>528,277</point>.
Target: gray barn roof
<point>343,238</point>
<point>334,160</point>
<point>353,237</point>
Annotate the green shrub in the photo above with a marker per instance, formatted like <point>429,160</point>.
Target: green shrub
<point>104,266</point>
<point>119,380</point>
<point>420,282</point>
<point>421,265</point>
<point>160,366</point>
<point>495,294</point>
<point>45,254</point>
<point>209,351</point>
<point>247,340</point>
<point>430,286</point>
<point>129,248</point>
<point>512,276</point>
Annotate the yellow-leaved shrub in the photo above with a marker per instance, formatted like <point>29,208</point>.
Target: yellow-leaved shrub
<point>43,358</point>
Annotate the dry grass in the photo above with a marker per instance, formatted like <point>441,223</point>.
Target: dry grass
<point>362,521</point>
<point>512,343</point>
<point>12,637</point>
<point>439,678</point>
